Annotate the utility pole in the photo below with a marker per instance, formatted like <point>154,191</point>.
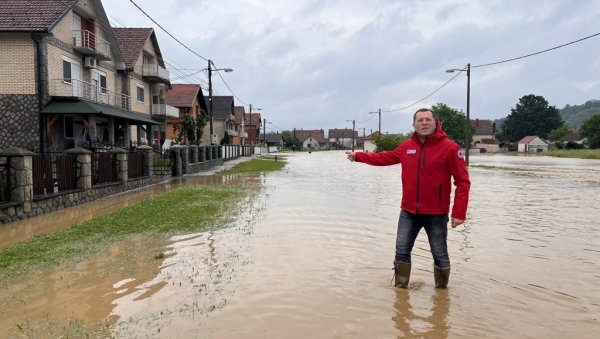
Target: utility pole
<point>210,101</point>
<point>353,126</point>
<point>378,112</point>
<point>364,136</point>
<point>265,131</point>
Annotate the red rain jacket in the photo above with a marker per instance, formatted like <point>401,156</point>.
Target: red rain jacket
<point>426,171</point>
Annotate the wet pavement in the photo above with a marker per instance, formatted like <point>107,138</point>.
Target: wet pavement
<point>311,257</point>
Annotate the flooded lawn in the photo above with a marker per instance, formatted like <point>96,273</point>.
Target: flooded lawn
<point>312,256</point>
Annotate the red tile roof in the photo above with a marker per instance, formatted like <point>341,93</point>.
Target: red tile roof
<point>317,134</point>
<point>239,113</point>
<point>32,15</point>
<point>131,43</point>
<point>254,120</point>
<point>527,139</point>
<point>182,95</point>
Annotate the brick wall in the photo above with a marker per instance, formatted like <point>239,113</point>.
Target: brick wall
<point>17,64</point>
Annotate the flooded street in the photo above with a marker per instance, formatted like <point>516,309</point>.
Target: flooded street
<point>311,257</point>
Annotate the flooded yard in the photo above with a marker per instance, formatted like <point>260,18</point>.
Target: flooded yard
<point>311,257</point>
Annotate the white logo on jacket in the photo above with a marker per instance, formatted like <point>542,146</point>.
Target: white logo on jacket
<point>461,154</point>
<point>411,151</point>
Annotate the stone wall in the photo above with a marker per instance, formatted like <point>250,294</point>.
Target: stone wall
<point>19,121</point>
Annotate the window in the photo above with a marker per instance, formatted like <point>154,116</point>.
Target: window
<point>68,125</point>
<point>140,93</point>
<point>102,84</point>
<point>66,71</point>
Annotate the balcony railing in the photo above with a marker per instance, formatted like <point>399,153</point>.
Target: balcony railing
<point>88,43</point>
<point>88,91</point>
<point>155,72</point>
<point>164,110</point>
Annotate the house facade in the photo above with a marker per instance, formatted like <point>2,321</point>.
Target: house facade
<point>344,138</point>
<point>368,144</point>
<point>224,127</point>
<point>188,100</point>
<point>64,81</point>
<point>252,125</point>
<point>312,139</point>
<point>484,138</point>
<point>532,144</point>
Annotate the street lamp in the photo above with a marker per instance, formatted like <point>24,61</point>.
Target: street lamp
<point>210,101</point>
<point>468,123</point>
<point>250,122</point>
<point>378,112</point>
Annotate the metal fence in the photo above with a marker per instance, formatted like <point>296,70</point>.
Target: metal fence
<point>135,164</point>
<point>162,162</point>
<point>104,168</point>
<point>54,172</point>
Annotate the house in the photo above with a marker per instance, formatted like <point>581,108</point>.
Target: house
<point>532,144</point>
<point>572,137</point>
<point>368,144</point>
<point>252,125</point>
<point>223,119</point>
<point>311,139</point>
<point>239,112</point>
<point>484,138</point>
<point>188,100</point>
<point>146,79</point>
<point>344,138</point>
<point>64,81</point>
<point>274,141</point>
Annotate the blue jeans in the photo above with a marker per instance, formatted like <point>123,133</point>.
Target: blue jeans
<point>436,227</point>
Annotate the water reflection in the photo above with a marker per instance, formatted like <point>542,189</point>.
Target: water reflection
<point>416,318</point>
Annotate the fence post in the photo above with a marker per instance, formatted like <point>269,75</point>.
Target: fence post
<point>202,154</point>
<point>84,167</point>
<point>185,158</point>
<point>194,150</point>
<point>21,175</point>
<point>176,155</point>
<point>122,170</point>
<point>147,152</point>
<point>220,152</point>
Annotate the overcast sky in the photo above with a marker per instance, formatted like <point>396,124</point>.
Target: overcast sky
<point>318,63</point>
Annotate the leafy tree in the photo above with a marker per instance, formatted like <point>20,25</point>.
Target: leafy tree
<point>560,132</point>
<point>201,121</point>
<point>591,130</point>
<point>531,116</point>
<point>453,123</point>
<point>289,141</point>
<point>189,128</point>
<point>385,142</point>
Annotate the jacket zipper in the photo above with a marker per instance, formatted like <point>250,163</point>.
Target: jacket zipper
<point>440,194</point>
<point>418,176</point>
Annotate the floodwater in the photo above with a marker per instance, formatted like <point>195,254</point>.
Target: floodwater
<point>311,257</point>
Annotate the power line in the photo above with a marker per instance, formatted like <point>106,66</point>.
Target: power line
<point>536,53</point>
<point>171,35</point>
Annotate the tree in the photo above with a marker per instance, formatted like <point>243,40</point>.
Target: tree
<point>201,121</point>
<point>289,141</point>
<point>531,116</point>
<point>453,123</point>
<point>591,130</point>
<point>386,142</point>
<point>557,133</point>
<point>189,128</point>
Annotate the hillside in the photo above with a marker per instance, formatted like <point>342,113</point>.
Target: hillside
<point>575,115</point>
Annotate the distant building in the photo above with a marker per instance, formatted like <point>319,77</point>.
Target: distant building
<point>342,138</point>
<point>484,138</point>
<point>369,145</point>
<point>312,139</point>
<point>532,144</point>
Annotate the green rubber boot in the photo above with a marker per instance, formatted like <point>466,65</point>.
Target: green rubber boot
<point>441,276</point>
<point>401,274</point>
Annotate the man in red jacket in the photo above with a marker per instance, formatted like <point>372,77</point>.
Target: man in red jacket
<point>429,160</point>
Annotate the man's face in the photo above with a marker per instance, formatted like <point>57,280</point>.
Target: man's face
<point>424,124</point>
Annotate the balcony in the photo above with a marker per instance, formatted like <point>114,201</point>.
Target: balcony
<point>164,110</point>
<point>88,43</point>
<point>75,88</point>
<point>155,73</point>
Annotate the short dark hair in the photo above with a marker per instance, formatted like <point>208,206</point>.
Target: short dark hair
<point>425,110</point>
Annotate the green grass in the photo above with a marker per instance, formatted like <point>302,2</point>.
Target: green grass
<point>184,210</point>
<point>576,153</point>
<point>262,164</point>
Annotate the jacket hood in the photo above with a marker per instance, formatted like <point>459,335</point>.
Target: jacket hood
<point>438,135</point>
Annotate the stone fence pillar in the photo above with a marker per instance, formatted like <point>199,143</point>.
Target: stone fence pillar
<point>185,158</point>
<point>20,175</point>
<point>194,151</point>
<point>202,154</point>
<point>122,169</point>
<point>84,167</point>
<point>147,152</point>
<point>176,156</point>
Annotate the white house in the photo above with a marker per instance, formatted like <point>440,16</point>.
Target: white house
<point>532,144</point>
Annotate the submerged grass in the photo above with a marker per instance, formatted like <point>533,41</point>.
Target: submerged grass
<point>579,153</point>
<point>184,210</point>
<point>262,164</point>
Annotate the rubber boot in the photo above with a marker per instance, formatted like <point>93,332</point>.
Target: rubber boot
<point>401,274</point>
<point>441,276</point>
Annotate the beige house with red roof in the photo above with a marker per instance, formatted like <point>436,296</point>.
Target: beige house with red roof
<point>188,100</point>
<point>532,144</point>
<point>65,82</point>
<point>484,137</point>
<point>312,139</point>
<point>342,138</point>
<point>239,112</point>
